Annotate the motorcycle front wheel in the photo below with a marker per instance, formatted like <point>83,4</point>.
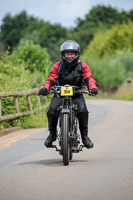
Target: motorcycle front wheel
<point>65,139</point>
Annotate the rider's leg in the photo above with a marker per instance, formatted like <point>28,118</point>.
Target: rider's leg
<point>83,126</point>
<point>83,121</point>
<point>52,124</point>
<point>52,116</point>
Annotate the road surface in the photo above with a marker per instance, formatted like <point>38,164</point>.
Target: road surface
<point>29,171</point>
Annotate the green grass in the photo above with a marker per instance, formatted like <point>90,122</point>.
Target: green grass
<point>124,92</point>
<point>38,120</point>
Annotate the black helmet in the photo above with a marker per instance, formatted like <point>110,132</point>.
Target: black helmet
<point>71,46</point>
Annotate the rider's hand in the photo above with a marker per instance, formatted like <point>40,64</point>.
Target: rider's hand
<point>43,91</point>
<point>93,91</point>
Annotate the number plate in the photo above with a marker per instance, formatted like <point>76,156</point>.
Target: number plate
<point>66,91</point>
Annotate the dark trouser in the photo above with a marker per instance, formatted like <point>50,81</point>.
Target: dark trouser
<point>82,114</point>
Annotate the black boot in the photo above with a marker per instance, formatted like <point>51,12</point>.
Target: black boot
<point>52,124</point>
<point>86,140</point>
<point>83,126</point>
<point>50,139</point>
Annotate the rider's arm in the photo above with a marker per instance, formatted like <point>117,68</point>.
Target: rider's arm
<point>53,75</point>
<point>87,76</point>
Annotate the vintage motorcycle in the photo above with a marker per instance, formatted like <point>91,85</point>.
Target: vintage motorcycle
<point>68,134</point>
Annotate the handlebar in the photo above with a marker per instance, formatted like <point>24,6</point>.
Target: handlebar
<point>77,90</point>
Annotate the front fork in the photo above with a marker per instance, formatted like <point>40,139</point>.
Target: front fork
<point>73,128</point>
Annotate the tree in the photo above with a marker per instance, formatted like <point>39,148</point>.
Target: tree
<point>2,46</point>
<point>13,28</point>
<point>101,17</point>
<point>49,36</point>
<point>98,18</point>
<point>130,14</point>
<point>118,38</point>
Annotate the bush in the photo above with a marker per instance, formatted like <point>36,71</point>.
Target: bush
<point>14,77</point>
<point>107,70</point>
<point>126,59</point>
<point>35,57</point>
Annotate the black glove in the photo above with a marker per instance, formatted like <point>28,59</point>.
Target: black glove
<point>93,91</point>
<point>43,91</point>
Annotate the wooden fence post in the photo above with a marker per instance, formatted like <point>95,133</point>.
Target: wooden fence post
<point>29,102</point>
<point>38,98</point>
<point>16,104</point>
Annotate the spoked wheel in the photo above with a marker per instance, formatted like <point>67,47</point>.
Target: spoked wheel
<point>65,139</point>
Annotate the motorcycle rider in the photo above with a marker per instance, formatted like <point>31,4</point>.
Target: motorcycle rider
<point>67,72</point>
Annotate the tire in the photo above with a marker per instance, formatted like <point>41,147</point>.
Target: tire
<point>65,139</point>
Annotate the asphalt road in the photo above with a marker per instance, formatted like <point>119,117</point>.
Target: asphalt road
<point>29,171</point>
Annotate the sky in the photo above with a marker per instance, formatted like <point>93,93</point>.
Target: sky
<point>64,12</point>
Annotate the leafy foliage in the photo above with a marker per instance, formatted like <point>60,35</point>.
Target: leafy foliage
<point>24,26</point>
<point>107,70</point>
<point>126,59</point>
<point>118,38</point>
<point>35,57</point>
<point>99,18</point>
<point>111,56</point>
<point>15,77</point>
<point>50,36</point>
<point>14,28</point>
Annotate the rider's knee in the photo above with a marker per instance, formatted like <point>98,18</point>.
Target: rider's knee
<point>52,111</point>
<point>82,108</point>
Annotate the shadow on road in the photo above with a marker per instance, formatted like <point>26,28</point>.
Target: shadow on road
<point>50,162</point>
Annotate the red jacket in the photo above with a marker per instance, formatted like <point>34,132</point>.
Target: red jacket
<point>86,73</point>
